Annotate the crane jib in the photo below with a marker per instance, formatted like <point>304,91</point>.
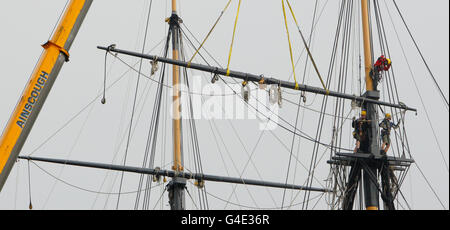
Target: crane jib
<point>32,99</point>
<point>39,85</point>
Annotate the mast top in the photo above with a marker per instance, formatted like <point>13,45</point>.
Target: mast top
<point>174,6</point>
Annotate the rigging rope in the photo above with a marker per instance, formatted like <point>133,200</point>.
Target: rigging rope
<point>165,189</point>
<point>421,55</point>
<point>341,16</point>
<point>57,21</point>
<point>232,41</point>
<point>280,125</point>
<point>339,120</point>
<point>231,125</point>
<point>324,106</point>
<point>134,102</point>
<point>296,131</point>
<point>193,132</point>
<point>420,96</point>
<point>404,137</point>
<point>104,76</point>
<point>192,199</point>
<point>271,131</point>
<point>306,46</point>
<point>259,208</point>
<point>78,187</point>
<point>29,186</point>
<point>83,109</point>
<point>290,46</point>
<point>390,80</point>
<point>153,131</point>
<point>68,155</point>
<point>152,134</point>
<point>233,129</point>
<point>298,107</point>
<point>209,33</point>
<point>17,184</point>
<point>143,98</point>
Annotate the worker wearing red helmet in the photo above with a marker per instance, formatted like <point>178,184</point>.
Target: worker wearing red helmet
<point>382,64</point>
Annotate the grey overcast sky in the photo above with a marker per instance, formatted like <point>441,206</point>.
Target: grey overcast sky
<point>261,47</point>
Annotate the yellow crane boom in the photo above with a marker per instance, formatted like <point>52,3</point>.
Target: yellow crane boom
<point>39,85</point>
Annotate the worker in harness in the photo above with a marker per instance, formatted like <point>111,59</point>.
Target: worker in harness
<point>361,127</point>
<point>387,126</point>
<point>382,64</point>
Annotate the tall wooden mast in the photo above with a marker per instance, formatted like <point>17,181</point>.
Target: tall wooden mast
<point>367,46</point>
<point>371,194</point>
<point>177,185</point>
<point>177,165</point>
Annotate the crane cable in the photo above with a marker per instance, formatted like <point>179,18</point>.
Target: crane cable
<point>290,46</point>
<point>306,46</point>
<point>232,41</point>
<point>209,33</point>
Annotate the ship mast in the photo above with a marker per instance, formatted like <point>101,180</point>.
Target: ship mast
<point>367,44</point>
<point>177,185</point>
<point>367,162</point>
<point>369,159</point>
<point>370,188</point>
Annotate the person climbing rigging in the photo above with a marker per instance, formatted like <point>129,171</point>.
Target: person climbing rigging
<point>382,64</point>
<point>387,126</point>
<point>361,127</point>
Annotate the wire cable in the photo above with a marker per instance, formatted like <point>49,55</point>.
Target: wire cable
<point>209,33</point>
<point>421,55</point>
<point>81,188</point>
<point>421,100</point>
<point>306,46</point>
<point>134,102</point>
